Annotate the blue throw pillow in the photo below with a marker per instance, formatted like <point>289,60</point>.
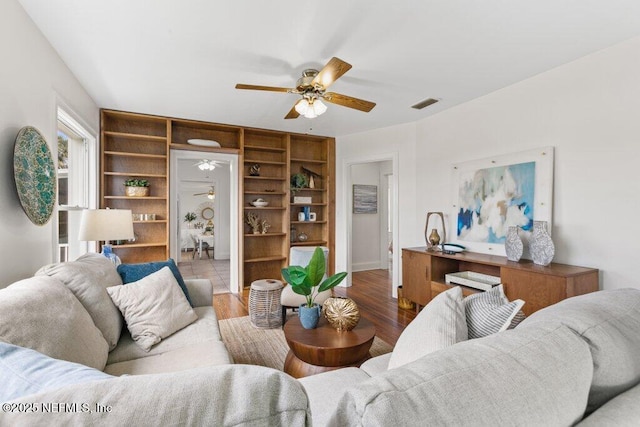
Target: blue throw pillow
<point>25,372</point>
<point>134,272</point>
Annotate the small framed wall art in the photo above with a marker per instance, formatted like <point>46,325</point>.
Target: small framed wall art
<point>365,199</point>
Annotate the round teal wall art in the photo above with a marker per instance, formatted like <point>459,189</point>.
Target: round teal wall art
<point>35,175</point>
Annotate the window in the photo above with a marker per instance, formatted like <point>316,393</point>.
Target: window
<point>77,177</point>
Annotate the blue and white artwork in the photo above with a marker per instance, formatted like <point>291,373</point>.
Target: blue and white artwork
<point>493,199</point>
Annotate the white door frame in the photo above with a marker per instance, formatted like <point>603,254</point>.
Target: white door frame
<point>174,240</point>
<point>347,202</point>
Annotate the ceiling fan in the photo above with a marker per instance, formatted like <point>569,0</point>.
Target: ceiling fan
<point>206,164</point>
<point>313,87</point>
<point>211,194</point>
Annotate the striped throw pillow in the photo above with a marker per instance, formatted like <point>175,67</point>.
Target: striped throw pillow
<point>491,312</point>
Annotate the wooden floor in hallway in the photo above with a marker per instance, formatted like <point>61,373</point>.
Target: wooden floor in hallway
<point>371,290</point>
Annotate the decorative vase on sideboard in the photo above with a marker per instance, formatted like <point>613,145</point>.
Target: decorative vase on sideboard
<point>513,245</point>
<point>542,247</point>
<point>309,316</point>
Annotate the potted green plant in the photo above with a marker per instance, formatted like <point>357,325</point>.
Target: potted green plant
<point>307,281</point>
<point>298,181</point>
<point>134,187</point>
<point>189,217</point>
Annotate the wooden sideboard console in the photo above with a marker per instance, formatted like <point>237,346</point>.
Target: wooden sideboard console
<point>539,286</point>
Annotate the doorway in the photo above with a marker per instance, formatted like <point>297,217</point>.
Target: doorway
<point>211,195</point>
<point>381,249</point>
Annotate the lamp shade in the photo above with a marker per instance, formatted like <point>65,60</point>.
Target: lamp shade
<point>106,224</point>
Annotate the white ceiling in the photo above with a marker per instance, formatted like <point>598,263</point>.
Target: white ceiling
<point>183,58</point>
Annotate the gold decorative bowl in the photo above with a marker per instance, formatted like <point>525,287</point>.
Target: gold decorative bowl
<point>341,313</point>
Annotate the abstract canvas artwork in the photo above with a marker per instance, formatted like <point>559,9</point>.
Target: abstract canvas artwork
<point>365,199</point>
<point>492,194</point>
<point>490,200</point>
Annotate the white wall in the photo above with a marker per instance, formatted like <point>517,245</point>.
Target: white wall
<point>32,79</point>
<point>589,111</point>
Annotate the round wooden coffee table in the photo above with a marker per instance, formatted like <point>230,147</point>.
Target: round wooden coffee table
<point>324,349</point>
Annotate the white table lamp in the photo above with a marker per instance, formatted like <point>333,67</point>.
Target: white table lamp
<point>106,225</point>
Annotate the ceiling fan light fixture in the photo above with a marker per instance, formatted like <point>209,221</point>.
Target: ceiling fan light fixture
<point>319,107</point>
<point>206,165</point>
<point>302,106</point>
<point>211,195</point>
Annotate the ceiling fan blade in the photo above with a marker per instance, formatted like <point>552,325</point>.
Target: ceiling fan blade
<point>349,101</point>
<point>331,72</point>
<point>268,88</point>
<point>200,194</point>
<point>292,114</point>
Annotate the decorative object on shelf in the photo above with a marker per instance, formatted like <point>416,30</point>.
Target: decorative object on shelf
<point>307,212</point>
<point>300,216</point>
<point>35,175</point>
<point>365,199</point>
<point>312,176</point>
<point>341,313</point>
<point>189,217</point>
<point>134,187</point>
<point>198,225</point>
<point>302,199</point>
<point>259,203</point>
<point>106,225</point>
<point>513,245</point>
<point>254,170</point>
<point>312,216</point>
<point>433,238</point>
<point>298,182</point>
<point>302,237</point>
<point>203,143</point>
<point>307,281</point>
<point>404,303</point>
<point>451,248</point>
<point>541,246</point>
<point>264,226</point>
<point>253,221</point>
<point>293,234</point>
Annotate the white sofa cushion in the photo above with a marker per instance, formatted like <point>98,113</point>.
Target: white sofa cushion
<point>88,277</point>
<point>25,371</point>
<point>204,329</point>
<point>325,391</point>
<point>609,321</point>
<point>439,325</point>
<point>622,410</point>
<point>154,307</point>
<point>535,376</point>
<point>195,355</point>
<point>42,314</point>
<point>230,395</point>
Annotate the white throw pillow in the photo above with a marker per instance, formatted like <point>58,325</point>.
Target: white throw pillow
<point>439,325</point>
<point>154,307</point>
<point>491,312</point>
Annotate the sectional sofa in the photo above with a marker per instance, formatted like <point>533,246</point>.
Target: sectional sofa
<point>66,359</point>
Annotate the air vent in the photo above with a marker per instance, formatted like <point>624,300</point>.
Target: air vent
<point>422,104</point>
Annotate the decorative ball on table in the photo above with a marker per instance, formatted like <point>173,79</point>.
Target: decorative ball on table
<point>341,313</point>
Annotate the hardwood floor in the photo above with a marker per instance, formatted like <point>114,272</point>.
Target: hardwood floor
<point>371,290</point>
